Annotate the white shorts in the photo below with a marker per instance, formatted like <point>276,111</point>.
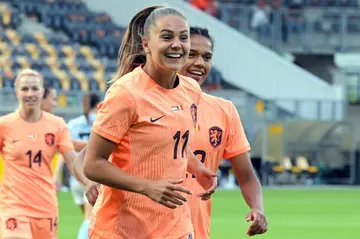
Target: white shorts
<point>78,192</point>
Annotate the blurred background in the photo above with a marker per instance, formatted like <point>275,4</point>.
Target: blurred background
<point>291,67</point>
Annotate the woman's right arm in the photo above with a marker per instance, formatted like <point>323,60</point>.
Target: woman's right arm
<point>114,118</point>
<point>97,167</point>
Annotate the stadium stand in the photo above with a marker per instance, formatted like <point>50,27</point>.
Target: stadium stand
<point>83,58</point>
<point>287,25</point>
<point>80,53</point>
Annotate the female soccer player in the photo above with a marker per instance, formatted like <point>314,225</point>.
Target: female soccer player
<point>220,135</point>
<point>29,138</point>
<point>144,127</point>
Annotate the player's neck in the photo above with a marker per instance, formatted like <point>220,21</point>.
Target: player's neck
<point>162,78</point>
<point>30,116</point>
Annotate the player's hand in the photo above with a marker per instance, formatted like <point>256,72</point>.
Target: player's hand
<point>166,192</point>
<point>92,192</point>
<point>259,223</point>
<point>208,180</point>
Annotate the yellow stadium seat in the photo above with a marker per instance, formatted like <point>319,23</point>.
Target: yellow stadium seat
<point>87,52</point>
<point>6,14</point>
<point>52,62</point>
<point>69,51</point>
<point>40,37</point>
<point>49,49</point>
<point>303,164</point>
<point>84,83</point>
<point>96,64</point>
<point>13,36</point>
<point>100,79</point>
<point>62,100</point>
<point>63,78</point>
<point>23,62</point>
<point>33,50</point>
<point>71,64</point>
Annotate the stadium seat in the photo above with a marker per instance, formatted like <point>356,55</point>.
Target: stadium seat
<point>62,100</point>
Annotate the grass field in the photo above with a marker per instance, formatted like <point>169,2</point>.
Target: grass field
<point>292,214</point>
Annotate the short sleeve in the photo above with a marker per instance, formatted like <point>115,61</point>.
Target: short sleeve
<point>236,142</point>
<point>64,142</point>
<point>115,114</point>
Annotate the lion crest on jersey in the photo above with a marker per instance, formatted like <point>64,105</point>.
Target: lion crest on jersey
<point>50,139</point>
<point>11,224</point>
<point>193,111</point>
<point>215,136</point>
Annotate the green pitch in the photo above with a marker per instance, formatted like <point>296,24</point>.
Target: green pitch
<point>292,214</point>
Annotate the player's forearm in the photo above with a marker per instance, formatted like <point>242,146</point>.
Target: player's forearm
<point>193,163</point>
<point>74,167</point>
<point>77,168</point>
<point>79,145</point>
<point>252,193</point>
<point>249,183</point>
<point>104,172</point>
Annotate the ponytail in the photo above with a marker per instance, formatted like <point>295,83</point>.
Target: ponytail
<point>131,53</point>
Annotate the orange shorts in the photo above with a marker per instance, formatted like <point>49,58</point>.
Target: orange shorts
<point>28,228</point>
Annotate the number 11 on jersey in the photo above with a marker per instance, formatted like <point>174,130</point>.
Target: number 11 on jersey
<point>176,137</point>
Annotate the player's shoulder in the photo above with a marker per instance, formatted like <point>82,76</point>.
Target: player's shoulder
<point>190,84</point>
<point>131,79</point>
<point>8,118</point>
<point>129,84</point>
<point>218,103</point>
<point>48,117</point>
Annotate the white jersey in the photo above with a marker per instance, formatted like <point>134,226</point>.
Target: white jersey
<point>80,128</point>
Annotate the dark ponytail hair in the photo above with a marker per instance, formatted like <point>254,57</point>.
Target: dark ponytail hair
<point>131,53</point>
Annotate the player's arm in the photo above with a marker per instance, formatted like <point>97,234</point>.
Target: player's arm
<point>74,169</point>
<point>99,169</point>
<point>236,149</point>
<point>79,145</point>
<point>248,181</point>
<point>115,116</point>
<point>66,148</point>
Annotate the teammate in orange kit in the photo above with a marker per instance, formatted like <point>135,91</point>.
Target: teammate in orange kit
<point>139,144</point>
<point>29,138</point>
<point>219,135</point>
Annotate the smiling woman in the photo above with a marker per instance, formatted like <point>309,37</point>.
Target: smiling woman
<point>29,139</point>
<point>139,142</point>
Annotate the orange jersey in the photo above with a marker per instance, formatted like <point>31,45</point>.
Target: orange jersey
<point>28,150</point>
<point>152,127</point>
<point>220,135</point>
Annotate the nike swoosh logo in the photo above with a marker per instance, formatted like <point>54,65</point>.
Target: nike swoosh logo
<point>15,140</point>
<point>154,120</point>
